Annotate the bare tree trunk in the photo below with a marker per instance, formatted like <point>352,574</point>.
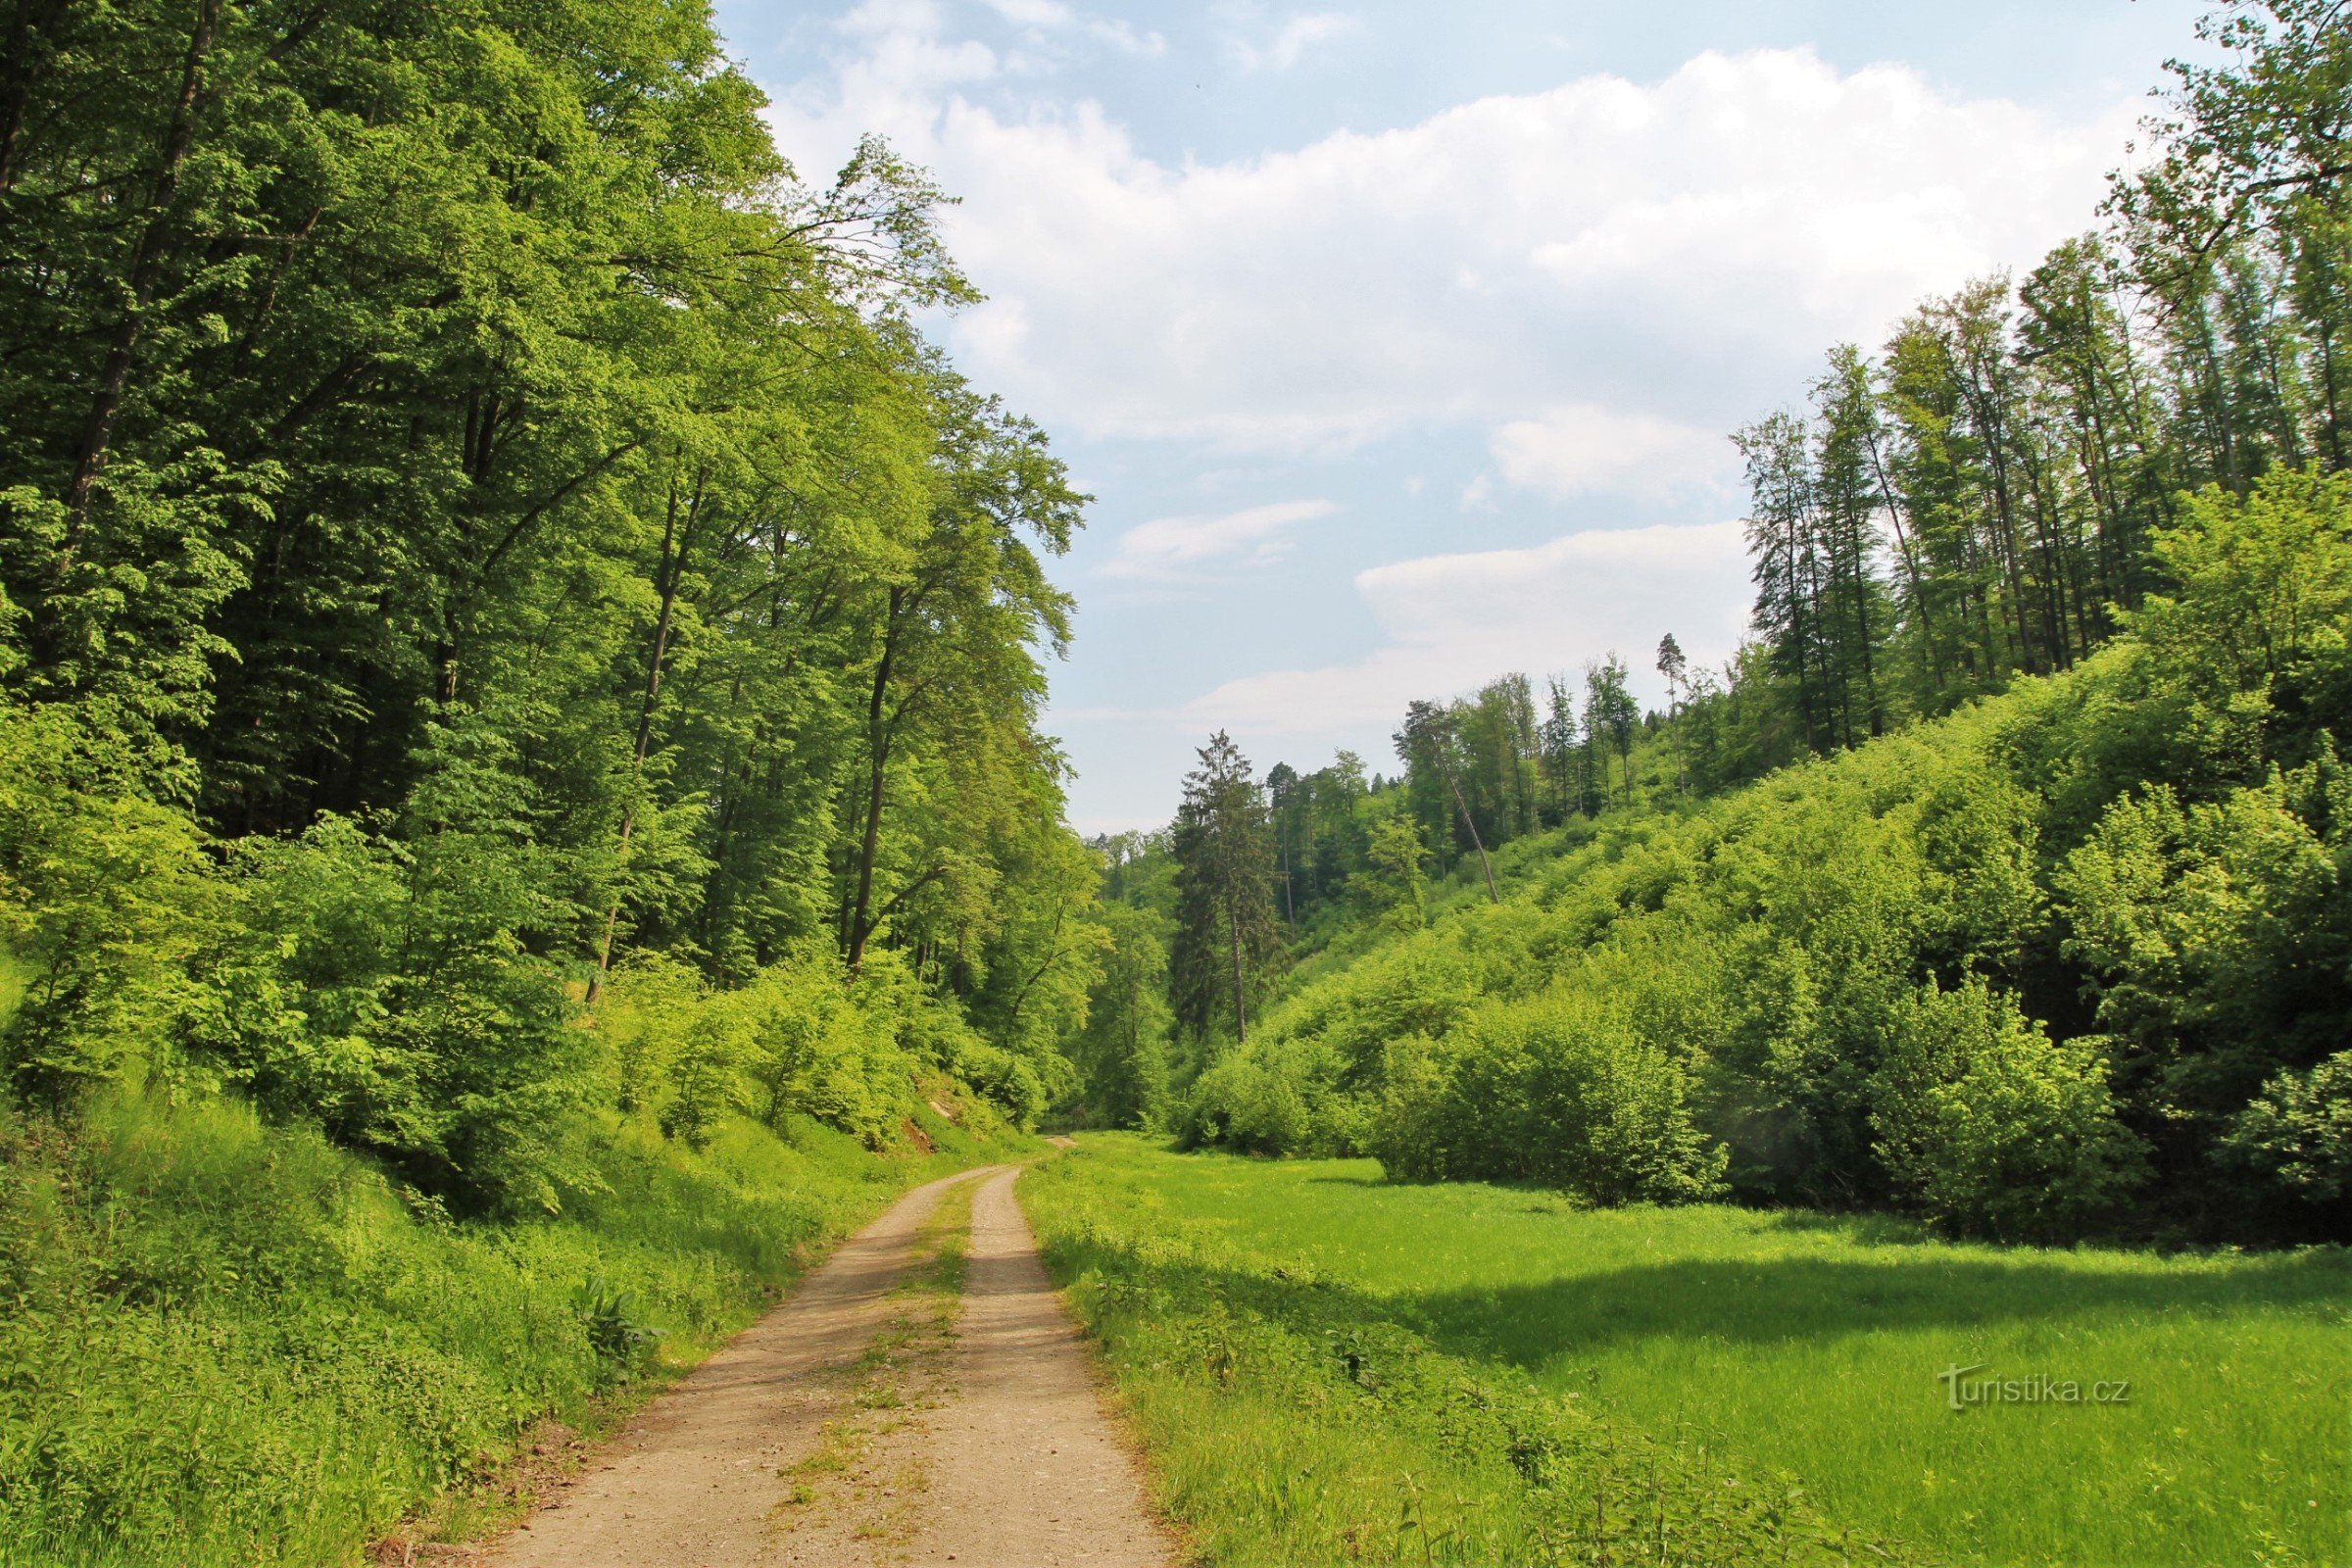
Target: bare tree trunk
<point>1462,807</point>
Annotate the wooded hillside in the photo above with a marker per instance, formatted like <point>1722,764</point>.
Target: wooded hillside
<point>478,529</point>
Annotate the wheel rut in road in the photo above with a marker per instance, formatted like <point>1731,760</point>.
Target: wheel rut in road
<point>874,1418</point>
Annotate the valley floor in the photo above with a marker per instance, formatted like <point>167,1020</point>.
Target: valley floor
<point>1328,1367</point>
<point>921,1398</point>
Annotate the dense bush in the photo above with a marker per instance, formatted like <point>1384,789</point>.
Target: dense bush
<point>104,895</point>
<point>1553,1091</point>
<point>1989,1124</point>
<point>402,985</point>
<point>2298,1132</point>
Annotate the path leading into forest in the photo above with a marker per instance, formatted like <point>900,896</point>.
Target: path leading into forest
<point>874,1418</point>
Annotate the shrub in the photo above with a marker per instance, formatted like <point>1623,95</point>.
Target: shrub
<point>1989,1126</point>
<point>103,895</point>
<point>387,988</point>
<point>1249,1102</point>
<point>1556,1091</point>
<point>2298,1132</point>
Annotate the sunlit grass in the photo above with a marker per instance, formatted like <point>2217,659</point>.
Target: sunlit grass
<point>227,1342</point>
<point>1811,1344</point>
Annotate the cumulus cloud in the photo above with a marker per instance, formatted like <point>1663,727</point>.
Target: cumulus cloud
<point>1172,547</point>
<point>1050,18</point>
<point>1581,448</point>
<point>1294,38</point>
<point>1688,246</point>
<point>1452,622</point>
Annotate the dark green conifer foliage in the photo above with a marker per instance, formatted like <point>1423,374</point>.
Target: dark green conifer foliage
<point>1226,939</point>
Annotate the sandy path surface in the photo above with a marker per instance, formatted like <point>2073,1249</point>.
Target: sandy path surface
<point>856,1425</point>
<point>1026,1470</point>
<point>691,1482</point>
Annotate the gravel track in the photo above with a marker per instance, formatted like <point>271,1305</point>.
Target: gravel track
<point>993,1449</point>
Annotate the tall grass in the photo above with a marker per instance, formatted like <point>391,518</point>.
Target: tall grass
<point>1787,1352</point>
<point>224,1342</point>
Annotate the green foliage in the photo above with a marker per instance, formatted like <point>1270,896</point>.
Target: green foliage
<point>520,670</point>
<point>1553,1091</point>
<point>387,987</point>
<point>1392,873</point>
<point>2298,1131</point>
<point>104,896</point>
<point>1225,941</point>
<point>1989,1126</point>
<point>1121,1055</point>
<point>463,481</point>
<point>801,1039</point>
<point>2023,968</point>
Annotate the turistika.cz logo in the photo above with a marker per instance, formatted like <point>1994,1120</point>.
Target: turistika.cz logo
<point>1962,1392</point>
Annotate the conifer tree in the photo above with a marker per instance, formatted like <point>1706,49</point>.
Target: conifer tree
<point>1226,936</point>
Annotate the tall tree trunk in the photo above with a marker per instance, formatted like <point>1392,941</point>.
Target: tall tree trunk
<point>1902,542</point>
<point>1135,1046</point>
<point>1241,989</point>
<point>878,755</point>
<point>1459,805</point>
<point>674,545</point>
<point>114,376</point>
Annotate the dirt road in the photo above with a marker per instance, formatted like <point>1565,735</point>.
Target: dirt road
<point>1025,1469</point>
<point>875,1418</point>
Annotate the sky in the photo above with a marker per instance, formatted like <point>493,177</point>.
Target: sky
<point>1399,345</point>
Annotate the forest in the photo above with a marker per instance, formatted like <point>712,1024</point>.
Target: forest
<point>526,813</point>
<point>480,532</point>
<point>2000,878</point>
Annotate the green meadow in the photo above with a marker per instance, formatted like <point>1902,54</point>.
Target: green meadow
<point>1677,1356</point>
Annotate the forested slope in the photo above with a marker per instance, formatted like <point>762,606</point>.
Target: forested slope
<point>1998,876</point>
<point>2073,957</point>
<point>493,583</point>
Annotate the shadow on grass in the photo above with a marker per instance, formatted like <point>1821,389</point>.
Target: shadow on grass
<point>1788,1300</point>
<point>1764,1302</point>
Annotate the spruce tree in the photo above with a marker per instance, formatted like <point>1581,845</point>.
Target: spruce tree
<point>1226,936</point>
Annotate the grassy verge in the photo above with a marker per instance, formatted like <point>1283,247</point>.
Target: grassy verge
<point>225,1343</point>
<point>1331,1368</point>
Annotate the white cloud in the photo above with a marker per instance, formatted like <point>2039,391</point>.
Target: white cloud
<point>1040,14</point>
<point>1452,622</point>
<point>1124,37</point>
<point>1579,448</point>
<point>1170,547</point>
<point>1294,38</point>
<point>1045,18</point>
<point>1689,246</point>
